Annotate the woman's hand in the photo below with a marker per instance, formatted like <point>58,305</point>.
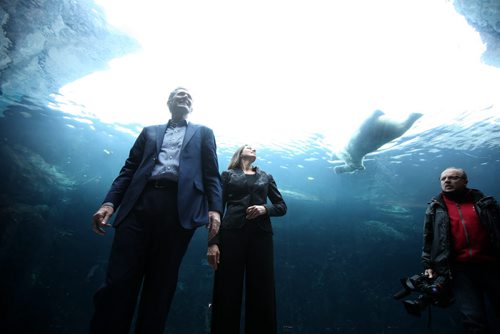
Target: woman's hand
<point>255,210</point>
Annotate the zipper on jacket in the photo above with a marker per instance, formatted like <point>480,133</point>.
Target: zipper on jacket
<point>462,220</point>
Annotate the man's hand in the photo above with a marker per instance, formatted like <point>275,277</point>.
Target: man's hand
<point>213,256</point>
<point>100,219</point>
<point>213,224</point>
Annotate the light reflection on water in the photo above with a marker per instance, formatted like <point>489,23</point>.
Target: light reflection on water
<point>467,130</point>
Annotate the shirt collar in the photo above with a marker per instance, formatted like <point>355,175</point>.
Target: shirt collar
<point>173,125</point>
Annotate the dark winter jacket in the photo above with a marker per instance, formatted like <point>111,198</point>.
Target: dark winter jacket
<point>437,251</point>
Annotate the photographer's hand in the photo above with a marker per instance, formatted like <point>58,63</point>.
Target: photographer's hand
<point>429,273</point>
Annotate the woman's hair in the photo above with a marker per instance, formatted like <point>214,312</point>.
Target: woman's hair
<point>236,159</point>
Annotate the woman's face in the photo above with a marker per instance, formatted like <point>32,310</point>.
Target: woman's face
<point>249,153</point>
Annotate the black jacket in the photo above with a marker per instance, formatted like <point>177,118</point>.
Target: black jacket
<point>238,195</point>
<point>437,248</point>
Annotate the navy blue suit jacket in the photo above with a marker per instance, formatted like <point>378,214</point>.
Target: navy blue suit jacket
<point>199,186</point>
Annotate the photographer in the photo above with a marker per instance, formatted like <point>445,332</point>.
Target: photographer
<point>462,241</point>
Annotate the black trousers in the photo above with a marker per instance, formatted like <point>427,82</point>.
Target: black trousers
<point>472,283</point>
<point>147,251</point>
<point>246,256</point>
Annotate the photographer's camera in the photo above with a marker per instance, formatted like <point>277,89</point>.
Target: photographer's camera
<point>433,291</point>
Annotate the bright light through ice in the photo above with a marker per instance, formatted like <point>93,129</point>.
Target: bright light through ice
<point>269,71</point>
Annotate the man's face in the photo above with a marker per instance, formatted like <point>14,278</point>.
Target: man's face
<point>180,104</point>
<point>452,180</point>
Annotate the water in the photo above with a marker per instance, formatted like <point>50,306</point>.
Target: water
<point>339,252</point>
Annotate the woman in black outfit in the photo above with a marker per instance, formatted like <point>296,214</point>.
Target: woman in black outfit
<point>242,251</point>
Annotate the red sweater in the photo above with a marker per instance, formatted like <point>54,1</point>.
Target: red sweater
<point>470,239</point>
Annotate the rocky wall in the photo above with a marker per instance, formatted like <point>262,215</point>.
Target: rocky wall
<point>45,44</point>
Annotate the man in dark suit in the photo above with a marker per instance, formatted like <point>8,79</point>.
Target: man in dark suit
<point>169,185</point>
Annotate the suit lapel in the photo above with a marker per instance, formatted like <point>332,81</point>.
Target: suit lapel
<point>190,131</point>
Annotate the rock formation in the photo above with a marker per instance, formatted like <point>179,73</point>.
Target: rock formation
<point>484,16</point>
<point>45,44</point>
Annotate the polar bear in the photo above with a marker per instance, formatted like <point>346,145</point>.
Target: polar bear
<point>375,131</point>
